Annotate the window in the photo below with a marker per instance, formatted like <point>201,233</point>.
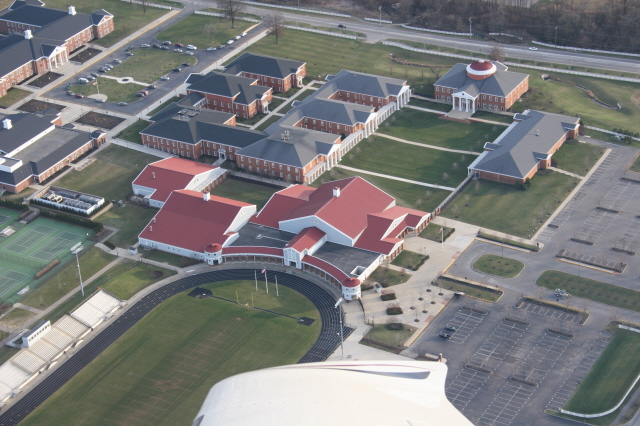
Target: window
<point>490,98</point>
<point>490,106</point>
<point>371,98</point>
<point>250,168</point>
<point>154,139</point>
<point>281,169</point>
<point>241,158</point>
<point>215,102</point>
<point>281,174</point>
<point>348,94</point>
<point>265,163</point>
<point>288,168</point>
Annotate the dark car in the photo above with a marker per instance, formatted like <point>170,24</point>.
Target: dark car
<point>444,336</point>
<point>450,328</point>
<point>165,47</point>
<point>342,26</point>
<point>79,95</point>
<point>156,46</point>
<point>151,86</point>
<point>177,69</point>
<point>179,45</point>
<point>186,64</point>
<point>166,42</point>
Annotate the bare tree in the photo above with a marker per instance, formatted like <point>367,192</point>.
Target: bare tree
<point>275,24</point>
<point>210,31</point>
<point>231,9</point>
<point>143,5</point>
<point>496,53</point>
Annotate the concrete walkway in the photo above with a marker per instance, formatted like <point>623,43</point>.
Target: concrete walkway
<point>415,182</point>
<point>289,101</point>
<point>424,145</point>
<point>564,172</point>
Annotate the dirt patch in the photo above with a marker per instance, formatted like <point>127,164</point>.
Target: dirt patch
<point>167,385</point>
<point>96,119</point>
<point>35,105</point>
<point>156,274</point>
<point>85,55</point>
<point>4,307</point>
<point>635,98</point>
<point>44,79</point>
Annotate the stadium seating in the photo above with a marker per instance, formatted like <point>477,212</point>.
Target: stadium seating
<point>70,326</point>
<point>93,311</point>
<point>11,376</point>
<point>28,361</point>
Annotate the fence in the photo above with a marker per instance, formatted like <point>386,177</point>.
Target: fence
<point>141,148</point>
<point>321,12</point>
<point>621,135</point>
<point>382,21</point>
<point>447,200</point>
<point>160,6</point>
<point>514,64</point>
<point>329,33</point>
<point>507,35</point>
<point>22,260</point>
<point>578,49</point>
<point>435,31</point>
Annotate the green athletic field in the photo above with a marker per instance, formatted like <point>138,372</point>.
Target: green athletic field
<point>31,248</point>
<point>161,370</point>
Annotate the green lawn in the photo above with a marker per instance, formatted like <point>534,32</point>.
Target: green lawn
<point>14,95</point>
<point>114,91</point>
<point>67,279</point>
<point>432,232</point>
<point>19,196</point>
<point>430,105</point>
<point>505,208</point>
<point>610,377</point>
<point>148,65</point>
<point>164,105</point>
<point>406,194</point>
<point>16,318</point>
<point>576,157</point>
<point>130,220</point>
<point>409,260</point>
<point>6,352</point>
<point>387,277</point>
<point>132,133</point>
<point>385,337</point>
<point>170,258</point>
<point>128,18</point>
<point>382,155</point>
<point>135,279</point>
<point>241,190</point>
<point>501,118</point>
<point>497,265</point>
<point>251,121</point>
<point>430,129</point>
<point>635,166</point>
<point>469,290</point>
<point>586,288</point>
<point>161,370</point>
<point>268,122</point>
<point>191,30</point>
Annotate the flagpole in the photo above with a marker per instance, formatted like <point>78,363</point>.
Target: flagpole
<point>277,286</point>
<point>266,284</point>
<point>237,300</point>
<point>255,275</point>
<point>252,301</point>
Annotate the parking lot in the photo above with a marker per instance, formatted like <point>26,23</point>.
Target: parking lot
<point>465,321</point>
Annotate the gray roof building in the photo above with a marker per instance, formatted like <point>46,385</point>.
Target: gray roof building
<point>328,110</point>
<point>189,107</point>
<point>241,89</point>
<point>530,139</point>
<point>364,84</point>
<point>263,65</point>
<point>501,83</point>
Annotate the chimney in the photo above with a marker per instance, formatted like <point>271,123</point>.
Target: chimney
<point>27,34</point>
<point>6,123</point>
<point>153,175</point>
<point>206,196</point>
<point>72,10</point>
<point>150,228</point>
<point>336,192</point>
<point>537,132</point>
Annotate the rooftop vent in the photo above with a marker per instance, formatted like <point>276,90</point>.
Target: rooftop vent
<point>27,34</point>
<point>336,192</point>
<point>72,10</point>
<point>6,123</point>
<point>206,196</point>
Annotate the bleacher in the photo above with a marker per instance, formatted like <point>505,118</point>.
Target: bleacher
<point>58,339</point>
<point>11,377</point>
<point>28,361</point>
<point>94,310</point>
<point>44,350</point>
<point>70,326</point>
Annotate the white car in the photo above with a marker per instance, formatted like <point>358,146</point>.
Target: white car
<point>533,48</point>
<point>145,45</point>
<point>164,77</point>
<point>230,41</point>
<point>191,47</point>
<point>243,34</point>
<point>177,50</point>
<point>237,37</point>
<point>211,49</point>
<point>188,53</point>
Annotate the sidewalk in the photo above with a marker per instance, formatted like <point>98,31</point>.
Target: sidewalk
<point>424,145</point>
<point>414,182</point>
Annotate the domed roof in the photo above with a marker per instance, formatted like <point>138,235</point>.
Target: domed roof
<point>213,248</point>
<point>479,70</point>
<point>351,282</point>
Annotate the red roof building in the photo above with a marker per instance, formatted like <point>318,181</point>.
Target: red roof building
<point>158,180</point>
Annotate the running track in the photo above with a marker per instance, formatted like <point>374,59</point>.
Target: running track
<point>327,342</point>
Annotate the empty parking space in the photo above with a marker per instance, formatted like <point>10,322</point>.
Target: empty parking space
<point>465,321</point>
<point>548,312</point>
<point>465,386</point>
<point>507,404</point>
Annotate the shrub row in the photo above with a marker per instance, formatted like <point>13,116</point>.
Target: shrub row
<point>14,205</point>
<point>66,209</point>
<point>63,217</point>
<point>508,241</point>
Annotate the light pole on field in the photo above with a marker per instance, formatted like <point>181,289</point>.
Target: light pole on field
<point>77,248</point>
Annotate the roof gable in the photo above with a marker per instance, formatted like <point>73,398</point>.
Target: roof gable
<point>263,65</point>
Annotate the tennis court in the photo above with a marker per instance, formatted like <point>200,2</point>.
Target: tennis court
<point>3,219</point>
<point>53,248</point>
<point>9,281</point>
<point>29,239</point>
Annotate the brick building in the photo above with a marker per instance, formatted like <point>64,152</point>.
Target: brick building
<point>41,39</point>
<point>34,147</point>
<point>525,147</point>
<point>277,73</point>
<point>481,85</point>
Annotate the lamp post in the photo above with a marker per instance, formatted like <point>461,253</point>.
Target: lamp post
<point>77,248</point>
<point>470,32</point>
<point>337,305</point>
<point>380,19</point>
<point>555,38</point>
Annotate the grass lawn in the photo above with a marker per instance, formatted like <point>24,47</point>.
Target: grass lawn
<point>430,105</point>
<point>132,133</point>
<point>406,194</point>
<point>6,352</point>
<point>190,30</point>
<point>115,91</point>
<point>386,338</point>
<point>590,289</point>
<point>432,232</point>
<point>130,219</point>
<point>469,290</point>
<point>251,121</point>
<point>161,370</point>
<point>387,277</point>
<point>170,258</point>
<point>610,377</point>
<point>409,260</point>
<point>14,95</point>
<point>430,129</point>
<point>486,115</point>
<point>135,279</point>
<point>164,105</point>
<point>66,280</point>
<point>504,208</point>
<point>19,196</point>
<point>576,157</point>
<point>635,166</point>
<point>148,65</point>
<point>382,155</point>
<point>128,17</point>
<point>16,318</point>
<point>241,190</point>
<point>497,265</point>
<point>268,122</point>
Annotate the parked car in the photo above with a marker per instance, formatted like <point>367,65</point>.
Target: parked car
<point>177,69</point>
<point>177,50</point>
<point>185,64</point>
<point>129,53</point>
<point>79,95</point>
<point>70,93</point>
<point>165,47</point>
<point>230,41</point>
<point>533,48</point>
<point>166,43</point>
<point>102,70</point>
<point>95,74</point>
<point>165,77</point>
<point>237,37</point>
<point>211,49</point>
<point>83,80</point>
<point>152,86</point>
<point>117,61</point>
<point>342,26</point>
<point>109,66</point>
<point>190,53</point>
<point>243,34</point>
<point>450,328</point>
<point>222,46</point>
<point>144,92</point>
<point>122,103</point>
<point>100,100</point>
<point>140,95</point>
<point>444,336</point>
<point>191,47</point>
<point>145,45</point>
<point>90,77</point>
<point>179,45</point>
<point>156,46</point>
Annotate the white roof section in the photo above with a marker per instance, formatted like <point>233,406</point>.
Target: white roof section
<point>93,310</point>
<point>70,326</point>
<point>337,393</point>
<point>11,376</point>
<point>43,349</point>
<point>28,361</point>
<point>56,337</point>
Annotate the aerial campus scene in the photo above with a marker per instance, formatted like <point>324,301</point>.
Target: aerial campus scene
<point>309,212</point>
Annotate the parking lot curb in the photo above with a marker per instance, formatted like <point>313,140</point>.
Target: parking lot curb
<point>584,265</point>
<point>415,336</point>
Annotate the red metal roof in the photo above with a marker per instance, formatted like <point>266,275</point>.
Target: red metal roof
<point>351,282</point>
<point>481,65</point>
<point>281,203</point>
<point>169,175</point>
<point>189,222</point>
<point>306,239</point>
<point>325,266</point>
<point>253,250</point>
<point>213,248</point>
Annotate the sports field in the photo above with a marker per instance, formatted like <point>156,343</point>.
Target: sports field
<point>31,248</point>
<point>161,370</point>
